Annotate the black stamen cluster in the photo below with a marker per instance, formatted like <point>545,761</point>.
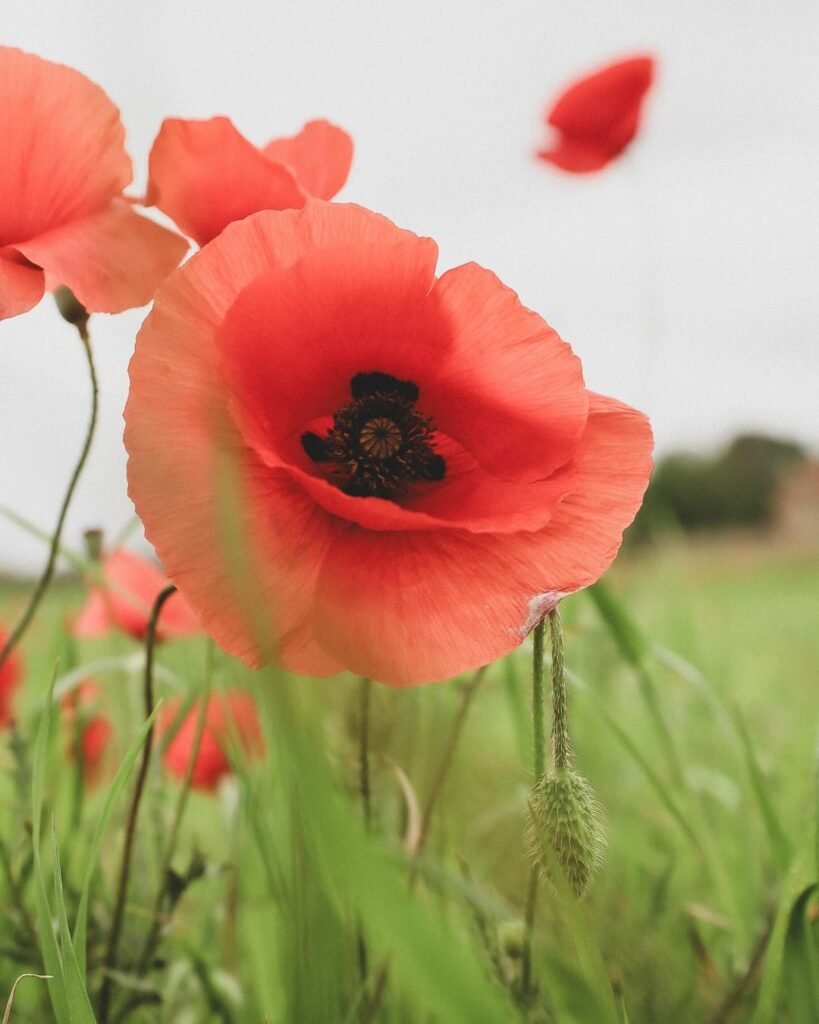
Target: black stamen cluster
<point>379,444</point>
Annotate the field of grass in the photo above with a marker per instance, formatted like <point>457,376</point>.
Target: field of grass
<point>693,704</point>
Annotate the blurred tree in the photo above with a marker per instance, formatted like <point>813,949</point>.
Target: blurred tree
<point>736,487</point>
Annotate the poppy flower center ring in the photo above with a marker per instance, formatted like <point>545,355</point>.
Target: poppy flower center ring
<point>379,443</point>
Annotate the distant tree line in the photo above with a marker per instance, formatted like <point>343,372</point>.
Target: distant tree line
<point>734,488</point>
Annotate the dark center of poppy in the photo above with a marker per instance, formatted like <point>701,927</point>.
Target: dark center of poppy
<point>379,443</point>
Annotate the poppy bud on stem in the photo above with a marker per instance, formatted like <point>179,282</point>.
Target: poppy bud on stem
<point>78,316</point>
<point>565,830</point>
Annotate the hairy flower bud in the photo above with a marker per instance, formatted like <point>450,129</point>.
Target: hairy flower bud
<point>566,828</point>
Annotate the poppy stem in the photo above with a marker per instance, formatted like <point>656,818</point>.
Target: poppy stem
<point>179,813</point>
<point>54,549</point>
<point>364,702</point>
<point>538,703</point>
<point>561,747</point>
<point>133,813</point>
<point>539,763</point>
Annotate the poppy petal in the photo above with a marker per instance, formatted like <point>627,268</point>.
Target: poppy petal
<point>22,285</point>
<point>320,154</point>
<point>72,139</point>
<point>192,444</point>
<point>598,116</point>
<point>347,309</point>
<point>111,260</point>
<point>205,174</point>
<point>521,400</point>
<point>441,592</point>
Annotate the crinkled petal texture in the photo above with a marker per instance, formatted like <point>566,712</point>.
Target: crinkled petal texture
<point>204,174</point>
<point>230,721</point>
<point>124,600</point>
<point>256,340</point>
<point>10,676</point>
<point>598,116</point>
<point>63,168</point>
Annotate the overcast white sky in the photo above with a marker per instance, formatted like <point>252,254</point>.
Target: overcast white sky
<point>685,276</point>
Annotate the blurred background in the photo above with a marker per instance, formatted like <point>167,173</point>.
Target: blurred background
<point>684,275</point>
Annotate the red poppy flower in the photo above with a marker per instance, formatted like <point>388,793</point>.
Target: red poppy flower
<point>424,472</point>
<point>11,672</point>
<point>63,220</point>
<point>229,718</point>
<point>205,175</point>
<point>123,600</point>
<point>598,116</point>
<point>88,728</point>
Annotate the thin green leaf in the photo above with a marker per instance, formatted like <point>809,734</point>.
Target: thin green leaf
<point>629,638</point>
<point>79,1005</point>
<point>780,845</point>
<point>45,929</point>
<point>799,964</point>
<point>770,986</point>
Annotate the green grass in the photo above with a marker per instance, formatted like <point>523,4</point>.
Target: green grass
<point>704,759</point>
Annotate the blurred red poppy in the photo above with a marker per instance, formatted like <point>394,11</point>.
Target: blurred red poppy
<point>11,672</point>
<point>421,472</point>
<point>205,175</point>
<point>229,718</point>
<point>90,732</point>
<point>598,116</point>
<point>63,220</point>
<point>124,598</point>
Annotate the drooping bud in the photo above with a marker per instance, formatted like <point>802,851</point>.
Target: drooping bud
<point>93,544</point>
<point>70,307</point>
<point>566,828</point>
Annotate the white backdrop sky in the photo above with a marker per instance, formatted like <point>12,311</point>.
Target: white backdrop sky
<point>685,276</point>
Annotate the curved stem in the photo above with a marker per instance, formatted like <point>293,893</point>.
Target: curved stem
<point>181,805</point>
<point>561,747</point>
<point>48,571</point>
<point>130,828</point>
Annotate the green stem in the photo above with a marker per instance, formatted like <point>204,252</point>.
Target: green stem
<point>561,747</point>
<point>364,702</point>
<point>539,761</point>
<point>54,549</point>
<point>130,828</point>
<point>538,703</point>
<point>179,814</point>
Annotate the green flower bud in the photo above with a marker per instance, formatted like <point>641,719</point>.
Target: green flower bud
<point>566,828</point>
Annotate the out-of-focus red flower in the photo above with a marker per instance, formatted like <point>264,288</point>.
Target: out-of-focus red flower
<point>598,116</point>
<point>11,673</point>
<point>420,470</point>
<point>229,718</point>
<point>63,220</point>
<point>205,175</point>
<point>123,600</point>
<point>90,732</point>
